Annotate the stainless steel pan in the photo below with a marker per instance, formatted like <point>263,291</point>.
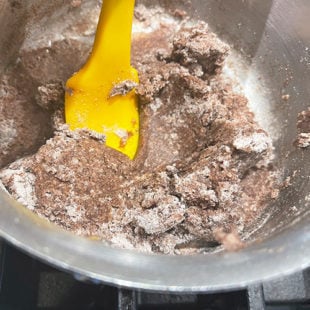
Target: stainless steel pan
<point>273,38</point>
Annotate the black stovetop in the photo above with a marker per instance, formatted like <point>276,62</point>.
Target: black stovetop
<point>26,283</point>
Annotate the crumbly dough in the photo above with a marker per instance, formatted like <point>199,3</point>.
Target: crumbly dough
<point>303,128</point>
<point>202,173</point>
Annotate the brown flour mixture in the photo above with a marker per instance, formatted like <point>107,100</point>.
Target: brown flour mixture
<point>202,174</point>
<point>303,129</point>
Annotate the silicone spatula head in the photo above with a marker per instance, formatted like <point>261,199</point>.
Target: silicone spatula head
<point>101,96</point>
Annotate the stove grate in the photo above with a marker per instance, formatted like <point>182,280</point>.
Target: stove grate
<point>26,283</point>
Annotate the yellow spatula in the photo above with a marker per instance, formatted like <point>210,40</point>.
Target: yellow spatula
<point>101,96</point>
